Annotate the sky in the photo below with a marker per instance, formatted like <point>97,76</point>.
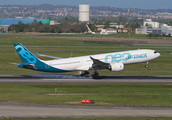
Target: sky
<point>142,4</point>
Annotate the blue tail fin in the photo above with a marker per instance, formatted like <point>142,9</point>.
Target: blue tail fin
<point>32,62</point>
<point>25,55</point>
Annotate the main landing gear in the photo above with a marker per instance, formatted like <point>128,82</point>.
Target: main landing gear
<point>85,73</point>
<point>96,74</point>
<point>146,65</point>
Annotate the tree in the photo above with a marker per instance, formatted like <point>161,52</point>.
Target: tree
<point>65,26</point>
<point>150,26</point>
<point>107,25</point>
<point>147,24</point>
<point>123,19</point>
<point>1,29</point>
<point>92,27</point>
<point>35,21</point>
<point>40,23</point>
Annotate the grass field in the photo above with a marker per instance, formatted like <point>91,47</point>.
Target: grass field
<point>119,35</point>
<point>103,94</point>
<point>102,119</point>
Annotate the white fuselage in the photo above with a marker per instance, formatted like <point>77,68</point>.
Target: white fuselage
<point>84,63</point>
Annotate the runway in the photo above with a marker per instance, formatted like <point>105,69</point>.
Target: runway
<point>25,110</point>
<point>160,79</point>
<point>29,110</point>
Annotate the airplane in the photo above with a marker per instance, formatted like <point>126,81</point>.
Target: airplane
<point>114,61</point>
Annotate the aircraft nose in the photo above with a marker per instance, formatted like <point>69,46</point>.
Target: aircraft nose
<point>158,54</point>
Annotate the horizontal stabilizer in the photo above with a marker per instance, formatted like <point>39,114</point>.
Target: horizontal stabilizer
<point>49,56</point>
<point>15,63</point>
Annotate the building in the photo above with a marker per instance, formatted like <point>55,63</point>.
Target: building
<point>116,26</point>
<point>154,28</point>
<point>150,23</point>
<point>84,13</point>
<point>146,30</point>
<point>4,27</point>
<point>54,22</point>
<point>143,30</point>
<point>125,30</point>
<point>99,27</point>
<point>108,31</point>
<point>161,31</point>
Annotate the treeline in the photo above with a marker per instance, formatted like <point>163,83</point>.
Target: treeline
<point>72,25</point>
<point>63,27</point>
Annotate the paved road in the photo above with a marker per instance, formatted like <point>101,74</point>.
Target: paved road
<point>162,79</point>
<point>23,110</point>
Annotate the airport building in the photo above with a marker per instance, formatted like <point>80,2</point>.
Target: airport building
<point>54,22</point>
<point>143,30</point>
<point>154,28</point>
<point>108,31</point>
<point>148,22</point>
<point>115,25</point>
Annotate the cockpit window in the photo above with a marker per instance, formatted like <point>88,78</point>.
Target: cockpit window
<point>155,51</point>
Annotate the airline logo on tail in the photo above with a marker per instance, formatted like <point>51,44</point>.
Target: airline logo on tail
<point>25,54</point>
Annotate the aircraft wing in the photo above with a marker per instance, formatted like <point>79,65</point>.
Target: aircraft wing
<point>49,56</point>
<point>97,64</point>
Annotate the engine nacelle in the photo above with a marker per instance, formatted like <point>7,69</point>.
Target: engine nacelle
<point>116,67</point>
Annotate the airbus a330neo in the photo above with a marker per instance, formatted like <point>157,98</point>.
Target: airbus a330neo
<point>114,61</point>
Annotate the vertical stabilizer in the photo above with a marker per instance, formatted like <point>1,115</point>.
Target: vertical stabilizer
<point>25,55</point>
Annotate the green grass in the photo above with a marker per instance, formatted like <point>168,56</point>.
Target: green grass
<point>99,35</point>
<point>51,42</point>
<point>119,35</point>
<point>102,119</point>
<point>103,94</point>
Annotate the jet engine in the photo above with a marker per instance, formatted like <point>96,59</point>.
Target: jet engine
<point>116,67</point>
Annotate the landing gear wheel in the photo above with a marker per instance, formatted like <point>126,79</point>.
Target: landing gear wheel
<point>146,66</point>
<point>85,73</point>
<point>96,74</point>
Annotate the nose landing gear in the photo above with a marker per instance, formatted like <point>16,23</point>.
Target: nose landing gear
<point>146,65</point>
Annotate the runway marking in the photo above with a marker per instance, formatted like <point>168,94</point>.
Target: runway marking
<point>65,79</point>
<point>40,94</point>
<point>68,94</point>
